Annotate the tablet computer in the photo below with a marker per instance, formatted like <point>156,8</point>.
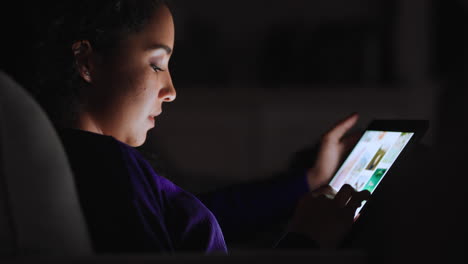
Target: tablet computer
<point>383,143</point>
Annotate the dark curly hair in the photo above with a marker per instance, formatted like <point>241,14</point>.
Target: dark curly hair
<point>104,23</point>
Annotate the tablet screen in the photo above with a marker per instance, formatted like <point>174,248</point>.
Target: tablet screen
<point>370,160</point>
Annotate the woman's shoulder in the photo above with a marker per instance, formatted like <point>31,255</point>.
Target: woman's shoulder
<point>102,163</point>
<point>75,139</point>
<point>92,146</point>
<point>96,160</point>
<point>103,157</point>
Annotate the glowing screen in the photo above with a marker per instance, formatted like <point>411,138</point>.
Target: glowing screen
<point>370,160</point>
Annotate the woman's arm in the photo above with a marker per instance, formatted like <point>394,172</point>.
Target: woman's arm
<point>244,209</point>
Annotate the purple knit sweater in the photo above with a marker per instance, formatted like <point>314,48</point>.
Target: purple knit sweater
<point>130,208</point>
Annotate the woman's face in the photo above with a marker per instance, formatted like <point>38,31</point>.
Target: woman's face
<point>128,88</point>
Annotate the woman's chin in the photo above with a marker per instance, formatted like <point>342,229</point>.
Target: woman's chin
<point>136,140</point>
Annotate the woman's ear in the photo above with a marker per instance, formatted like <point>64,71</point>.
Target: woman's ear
<point>83,52</point>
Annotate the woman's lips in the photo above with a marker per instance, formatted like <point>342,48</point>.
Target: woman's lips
<point>152,118</point>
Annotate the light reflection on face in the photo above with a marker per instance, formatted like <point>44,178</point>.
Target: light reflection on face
<point>131,86</point>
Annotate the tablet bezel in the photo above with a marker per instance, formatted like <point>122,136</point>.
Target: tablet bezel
<point>418,127</point>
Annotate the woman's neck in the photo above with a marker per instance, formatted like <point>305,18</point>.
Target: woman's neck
<point>86,122</point>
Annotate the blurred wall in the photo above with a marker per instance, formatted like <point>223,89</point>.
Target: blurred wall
<point>258,81</point>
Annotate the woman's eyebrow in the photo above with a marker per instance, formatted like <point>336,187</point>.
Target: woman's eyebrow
<point>160,46</point>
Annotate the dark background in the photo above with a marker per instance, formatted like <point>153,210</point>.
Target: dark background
<point>260,80</point>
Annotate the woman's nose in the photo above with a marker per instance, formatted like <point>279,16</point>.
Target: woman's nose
<point>170,96</point>
<point>168,93</point>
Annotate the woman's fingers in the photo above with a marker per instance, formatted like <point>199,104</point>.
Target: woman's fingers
<point>351,199</point>
<point>343,196</point>
<point>326,191</point>
<point>356,200</point>
<point>327,220</point>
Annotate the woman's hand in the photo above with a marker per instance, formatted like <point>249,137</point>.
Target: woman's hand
<point>324,219</point>
<point>334,145</point>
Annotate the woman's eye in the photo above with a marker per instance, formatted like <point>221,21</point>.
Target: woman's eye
<point>156,68</point>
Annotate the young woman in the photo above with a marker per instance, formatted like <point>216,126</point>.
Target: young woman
<point>104,81</point>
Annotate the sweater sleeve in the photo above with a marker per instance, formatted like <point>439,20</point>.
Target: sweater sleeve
<point>246,208</point>
<point>193,226</point>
